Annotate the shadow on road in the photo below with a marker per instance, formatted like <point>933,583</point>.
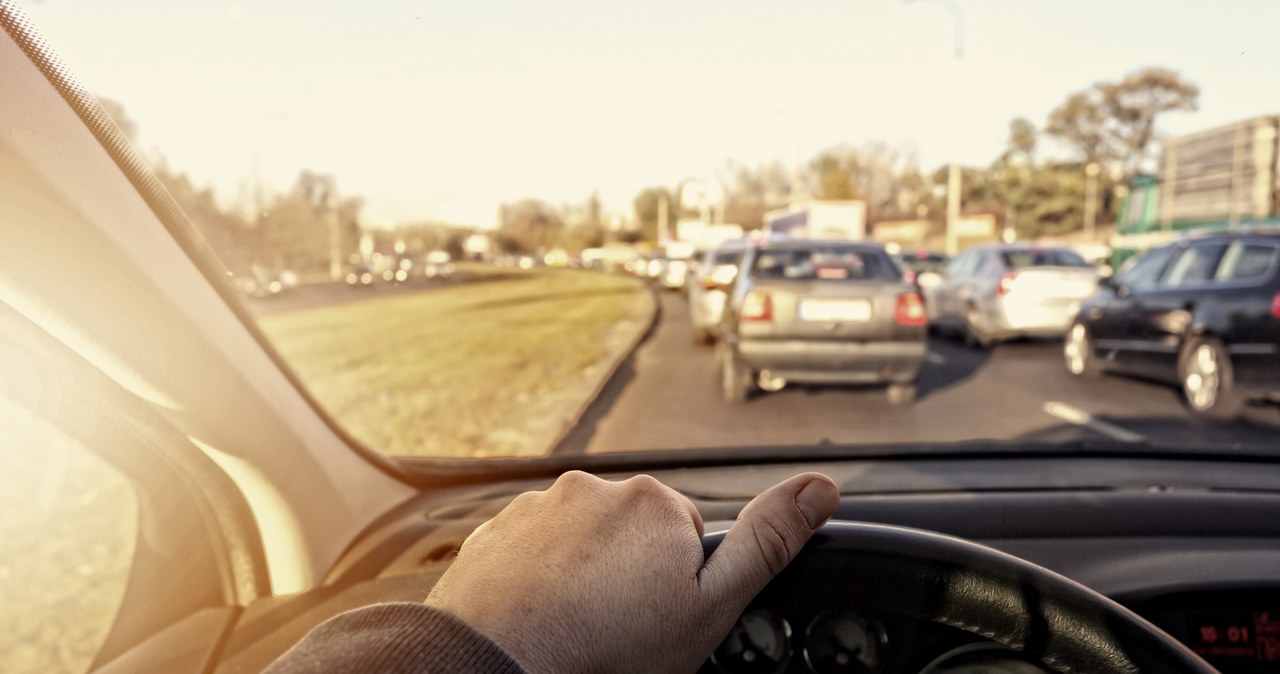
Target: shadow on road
<point>579,437</point>
<point>948,364</point>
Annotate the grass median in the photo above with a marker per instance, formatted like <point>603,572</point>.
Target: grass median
<point>489,368</point>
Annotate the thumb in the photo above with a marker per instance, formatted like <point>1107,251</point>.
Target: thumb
<point>768,534</point>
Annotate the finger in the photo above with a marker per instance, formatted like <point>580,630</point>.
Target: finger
<point>693,512</point>
<point>768,534</point>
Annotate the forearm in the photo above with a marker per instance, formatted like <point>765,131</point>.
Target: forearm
<point>399,637</point>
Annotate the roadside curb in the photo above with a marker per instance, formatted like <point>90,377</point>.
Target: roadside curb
<point>641,336</point>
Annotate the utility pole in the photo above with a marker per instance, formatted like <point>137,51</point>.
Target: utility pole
<point>953,208</point>
<point>335,244</point>
<point>1090,199</point>
<point>664,235</point>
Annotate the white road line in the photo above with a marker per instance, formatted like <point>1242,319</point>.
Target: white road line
<point>1080,417</point>
<point>935,358</point>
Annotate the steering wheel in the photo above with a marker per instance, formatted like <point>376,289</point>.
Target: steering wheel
<point>927,576</point>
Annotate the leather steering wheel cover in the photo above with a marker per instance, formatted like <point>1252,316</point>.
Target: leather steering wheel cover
<point>930,576</point>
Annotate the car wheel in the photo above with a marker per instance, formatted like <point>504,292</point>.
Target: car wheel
<point>735,378</point>
<point>974,335</point>
<point>1204,370</point>
<point>901,395</point>
<point>1078,354</point>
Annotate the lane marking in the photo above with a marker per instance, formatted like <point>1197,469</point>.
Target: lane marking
<point>1080,417</point>
<point>935,358</point>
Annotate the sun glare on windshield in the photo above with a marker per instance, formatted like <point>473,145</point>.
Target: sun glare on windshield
<point>477,231</point>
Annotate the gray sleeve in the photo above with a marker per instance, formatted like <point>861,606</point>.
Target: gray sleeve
<point>400,637</point>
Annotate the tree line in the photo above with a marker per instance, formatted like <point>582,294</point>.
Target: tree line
<point>1111,124</point>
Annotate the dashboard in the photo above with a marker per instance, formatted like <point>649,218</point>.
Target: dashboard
<point>1193,546</point>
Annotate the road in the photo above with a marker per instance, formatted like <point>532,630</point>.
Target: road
<point>667,396</point>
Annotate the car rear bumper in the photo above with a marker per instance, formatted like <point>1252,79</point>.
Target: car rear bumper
<point>834,362</point>
<point>1034,320</point>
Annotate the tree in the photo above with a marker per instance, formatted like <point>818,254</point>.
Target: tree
<point>648,205</point>
<point>1113,123</point>
<point>115,111</point>
<point>529,226</point>
<point>1022,141</point>
<point>1081,122</point>
<point>751,192</point>
<point>885,177</point>
<point>1134,104</point>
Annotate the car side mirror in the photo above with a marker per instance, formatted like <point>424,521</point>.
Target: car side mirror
<point>1110,283</point>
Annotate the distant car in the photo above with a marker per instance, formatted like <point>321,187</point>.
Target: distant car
<point>360,275</point>
<point>261,283</point>
<point>709,287</point>
<point>824,312</point>
<point>1203,312</point>
<point>922,267</point>
<point>439,265</point>
<point>1002,291</point>
<point>679,263</point>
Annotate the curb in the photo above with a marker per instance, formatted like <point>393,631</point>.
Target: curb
<point>639,338</point>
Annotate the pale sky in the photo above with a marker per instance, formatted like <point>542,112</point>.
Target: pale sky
<point>443,109</point>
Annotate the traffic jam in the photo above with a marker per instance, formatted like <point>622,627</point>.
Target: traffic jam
<point>813,300</point>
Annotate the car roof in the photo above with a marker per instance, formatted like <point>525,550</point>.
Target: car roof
<point>1270,236</point>
<point>801,244</point>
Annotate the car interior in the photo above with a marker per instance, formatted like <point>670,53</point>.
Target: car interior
<point>258,516</point>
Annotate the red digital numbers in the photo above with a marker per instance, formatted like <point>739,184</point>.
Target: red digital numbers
<point>1209,634</point>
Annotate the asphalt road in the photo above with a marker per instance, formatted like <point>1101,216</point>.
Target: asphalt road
<point>666,396</point>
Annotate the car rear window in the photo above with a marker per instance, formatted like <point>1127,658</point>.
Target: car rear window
<point>1246,261</point>
<point>826,263</point>
<point>733,257</point>
<point>1042,257</point>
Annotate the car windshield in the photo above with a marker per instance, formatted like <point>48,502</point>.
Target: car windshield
<point>477,230</point>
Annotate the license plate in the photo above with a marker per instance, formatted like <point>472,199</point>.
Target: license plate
<point>835,310</point>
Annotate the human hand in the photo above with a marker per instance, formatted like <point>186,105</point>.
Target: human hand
<point>598,576</point>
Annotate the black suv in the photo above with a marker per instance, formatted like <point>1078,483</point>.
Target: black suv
<point>1203,312</point>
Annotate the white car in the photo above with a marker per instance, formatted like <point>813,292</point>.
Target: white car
<point>708,289</point>
<point>1004,291</point>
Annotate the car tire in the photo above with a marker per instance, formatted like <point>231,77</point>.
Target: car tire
<point>973,334</point>
<point>1206,380</point>
<point>901,395</point>
<point>1078,354</point>
<point>735,379</point>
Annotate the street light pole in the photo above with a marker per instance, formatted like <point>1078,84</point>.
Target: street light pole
<point>953,170</point>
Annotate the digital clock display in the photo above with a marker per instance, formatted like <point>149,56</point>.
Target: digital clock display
<point>1222,636</point>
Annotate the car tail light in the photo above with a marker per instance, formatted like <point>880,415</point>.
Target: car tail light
<point>757,306</point>
<point>1006,282</point>
<point>909,310</point>
<point>909,275</point>
<point>1275,306</point>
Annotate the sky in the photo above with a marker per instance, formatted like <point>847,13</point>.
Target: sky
<point>442,110</point>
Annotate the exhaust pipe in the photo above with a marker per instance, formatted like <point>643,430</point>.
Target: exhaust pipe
<point>770,383</point>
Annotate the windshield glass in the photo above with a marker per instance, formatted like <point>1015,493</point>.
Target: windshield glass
<point>478,230</point>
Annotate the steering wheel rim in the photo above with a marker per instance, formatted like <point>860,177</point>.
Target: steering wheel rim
<point>1062,624</point>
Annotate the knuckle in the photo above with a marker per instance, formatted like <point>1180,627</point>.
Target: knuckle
<point>644,486</point>
<point>776,539</point>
